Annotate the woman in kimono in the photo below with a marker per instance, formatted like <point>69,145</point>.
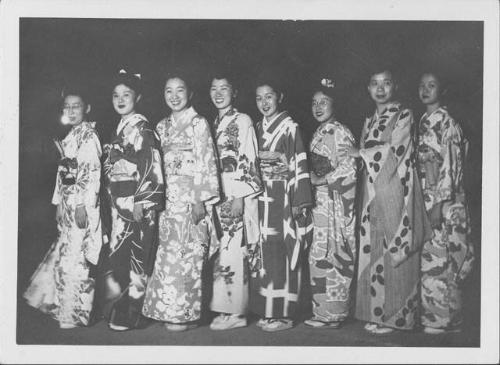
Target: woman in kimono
<point>238,211</point>
<point>283,212</point>
<point>393,220</point>
<point>62,286</point>
<point>446,258</point>
<point>174,292</point>
<point>134,182</point>
<point>332,253</point>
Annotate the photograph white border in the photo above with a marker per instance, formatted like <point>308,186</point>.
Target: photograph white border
<point>460,10</point>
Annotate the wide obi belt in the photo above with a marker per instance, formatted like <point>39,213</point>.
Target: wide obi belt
<point>180,166</point>
<point>123,179</point>
<point>273,165</point>
<point>320,164</point>
<point>68,169</point>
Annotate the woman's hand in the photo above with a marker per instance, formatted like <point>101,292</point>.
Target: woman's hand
<point>59,212</point>
<point>198,212</point>
<point>138,212</point>
<point>81,216</point>
<point>297,212</point>
<point>237,207</point>
<point>349,150</point>
<point>316,180</point>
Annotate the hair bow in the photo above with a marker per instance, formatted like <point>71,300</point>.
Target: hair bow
<point>123,71</point>
<point>327,83</point>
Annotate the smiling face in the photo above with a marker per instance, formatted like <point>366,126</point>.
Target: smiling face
<point>322,107</point>
<point>268,101</point>
<point>177,94</point>
<point>74,110</point>
<point>222,93</point>
<point>381,88</point>
<point>124,100</point>
<point>429,89</point>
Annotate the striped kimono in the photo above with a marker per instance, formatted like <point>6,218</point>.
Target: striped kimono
<point>393,222</point>
<point>275,285</point>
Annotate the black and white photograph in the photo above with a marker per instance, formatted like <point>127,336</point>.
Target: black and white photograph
<point>247,182</point>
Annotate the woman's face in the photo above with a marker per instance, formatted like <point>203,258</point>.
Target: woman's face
<point>322,107</point>
<point>124,100</point>
<point>429,89</point>
<point>221,93</point>
<point>177,94</point>
<point>381,88</point>
<point>267,101</point>
<point>74,110</point>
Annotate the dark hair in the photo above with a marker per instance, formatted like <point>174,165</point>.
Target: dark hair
<point>440,77</point>
<point>179,73</point>
<point>328,87</point>
<point>225,74</point>
<point>378,69</point>
<point>271,79</point>
<point>75,90</point>
<point>129,80</point>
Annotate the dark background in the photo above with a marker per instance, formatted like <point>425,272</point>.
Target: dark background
<point>58,52</point>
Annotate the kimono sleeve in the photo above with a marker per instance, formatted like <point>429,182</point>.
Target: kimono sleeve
<point>451,170</point>
<point>206,182</point>
<point>300,182</point>
<point>391,152</point>
<point>246,180</point>
<point>344,165</point>
<point>56,197</point>
<point>88,177</point>
<point>150,185</point>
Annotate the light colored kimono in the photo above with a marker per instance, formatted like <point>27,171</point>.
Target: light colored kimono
<point>447,258</point>
<point>174,291</point>
<point>237,147</point>
<point>393,224</point>
<point>61,285</point>
<point>332,254</point>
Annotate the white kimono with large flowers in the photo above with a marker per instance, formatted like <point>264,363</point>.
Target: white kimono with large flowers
<point>61,285</point>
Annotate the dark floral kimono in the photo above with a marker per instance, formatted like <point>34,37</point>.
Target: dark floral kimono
<point>133,175</point>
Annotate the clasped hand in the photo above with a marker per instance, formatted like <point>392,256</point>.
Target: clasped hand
<point>81,216</point>
<point>297,212</point>
<point>348,149</point>
<point>198,212</point>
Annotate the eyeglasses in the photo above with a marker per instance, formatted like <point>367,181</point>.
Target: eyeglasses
<point>68,108</point>
<point>322,102</point>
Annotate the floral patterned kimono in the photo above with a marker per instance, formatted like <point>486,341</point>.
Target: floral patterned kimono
<point>61,285</point>
<point>134,175</point>
<point>237,147</point>
<point>447,258</point>
<point>174,291</point>
<point>393,223</point>
<point>333,250</point>
<point>275,287</point>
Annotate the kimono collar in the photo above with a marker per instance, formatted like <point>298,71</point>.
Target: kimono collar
<point>270,126</point>
<point>322,130</point>
<point>327,124</point>
<point>440,110</point>
<point>82,126</point>
<point>185,117</point>
<point>390,108</point>
<point>219,120</point>
<point>131,121</point>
